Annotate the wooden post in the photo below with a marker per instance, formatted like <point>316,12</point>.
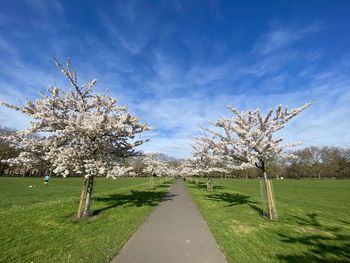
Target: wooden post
<point>151,182</point>
<point>271,206</point>
<point>209,184</point>
<point>85,198</point>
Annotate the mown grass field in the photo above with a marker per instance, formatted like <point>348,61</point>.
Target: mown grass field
<point>313,224</point>
<point>37,224</point>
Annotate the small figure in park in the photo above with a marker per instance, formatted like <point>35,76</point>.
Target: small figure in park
<point>46,179</point>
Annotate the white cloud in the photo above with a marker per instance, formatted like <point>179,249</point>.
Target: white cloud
<point>324,123</point>
<point>281,37</point>
<point>175,96</point>
<point>131,36</point>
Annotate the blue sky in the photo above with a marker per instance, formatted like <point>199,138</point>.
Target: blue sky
<point>178,64</point>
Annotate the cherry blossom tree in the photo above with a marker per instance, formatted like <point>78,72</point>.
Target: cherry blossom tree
<point>247,140</point>
<point>172,171</point>
<point>206,161</point>
<point>154,166</point>
<point>78,132</point>
<point>188,168</point>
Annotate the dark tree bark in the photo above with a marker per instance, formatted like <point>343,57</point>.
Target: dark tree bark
<point>2,169</point>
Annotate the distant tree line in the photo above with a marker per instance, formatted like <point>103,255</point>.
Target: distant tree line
<point>311,162</point>
<point>319,162</point>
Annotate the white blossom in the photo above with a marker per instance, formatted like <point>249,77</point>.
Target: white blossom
<point>245,140</point>
<point>155,166</point>
<point>76,131</point>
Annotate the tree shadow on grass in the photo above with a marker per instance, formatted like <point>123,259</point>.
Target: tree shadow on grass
<point>203,185</point>
<point>234,199</point>
<point>323,243</point>
<point>163,185</point>
<point>344,222</point>
<point>135,198</point>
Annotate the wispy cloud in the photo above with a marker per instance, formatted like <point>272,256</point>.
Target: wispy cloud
<point>173,73</point>
<point>121,25</point>
<point>280,37</point>
<point>6,49</point>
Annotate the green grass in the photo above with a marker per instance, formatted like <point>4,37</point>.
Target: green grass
<point>313,224</point>
<point>37,224</point>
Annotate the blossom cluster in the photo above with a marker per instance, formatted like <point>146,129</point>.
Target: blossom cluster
<point>156,166</point>
<point>76,131</point>
<point>245,140</point>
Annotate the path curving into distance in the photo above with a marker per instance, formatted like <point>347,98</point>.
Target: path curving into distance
<point>174,232</point>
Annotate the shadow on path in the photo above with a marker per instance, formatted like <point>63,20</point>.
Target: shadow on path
<point>323,243</point>
<point>234,199</point>
<point>134,198</point>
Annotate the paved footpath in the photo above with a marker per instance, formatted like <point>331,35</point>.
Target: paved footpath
<point>175,232</point>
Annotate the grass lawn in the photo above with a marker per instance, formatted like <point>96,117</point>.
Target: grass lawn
<point>38,225</point>
<point>313,224</point>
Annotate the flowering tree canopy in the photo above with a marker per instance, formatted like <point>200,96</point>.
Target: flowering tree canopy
<point>205,159</point>
<point>155,166</point>
<point>247,139</point>
<point>84,133</point>
<point>188,167</point>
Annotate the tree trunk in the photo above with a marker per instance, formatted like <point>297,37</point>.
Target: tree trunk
<point>270,199</point>
<point>2,169</point>
<point>85,198</point>
<point>151,182</point>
